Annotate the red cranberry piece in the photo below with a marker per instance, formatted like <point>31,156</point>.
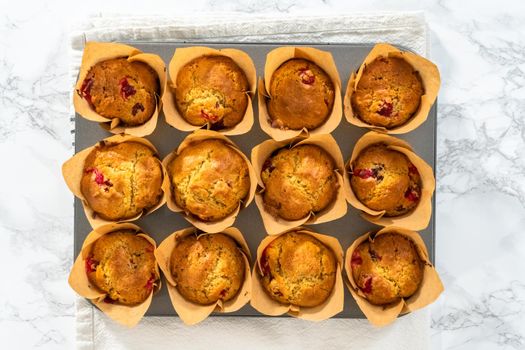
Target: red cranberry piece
<point>223,292</point>
<point>126,90</point>
<point>363,173</point>
<point>367,286</point>
<point>412,169</point>
<point>356,259</point>
<point>108,300</point>
<point>265,265</point>
<point>99,177</point>
<point>386,109</point>
<point>91,264</point>
<point>136,107</point>
<point>411,195</point>
<point>307,76</point>
<point>268,165</point>
<point>150,283</point>
<point>209,117</point>
<point>85,89</point>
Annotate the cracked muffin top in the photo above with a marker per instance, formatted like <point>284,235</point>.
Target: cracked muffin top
<point>298,269</point>
<point>298,181</point>
<point>122,264</point>
<point>209,179</point>
<point>384,179</point>
<point>387,268</point>
<point>388,93</point>
<point>207,268</point>
<point>302,96</point>
<point>212,90</point>
<point>121,180</point>
<point>117,88</point>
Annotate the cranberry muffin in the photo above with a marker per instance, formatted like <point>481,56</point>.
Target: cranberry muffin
<point>212,90</point>
<point>388,93</point>
<point>298,269</point>
<point>302,95</point>
<point>209,179</point>
<point>122,265</point>
<point>298,181</point>
<point>118,88</point>
<point>207,268</point>
<point>121,180</point>
<point>387,268</point>
<point>384,179</point>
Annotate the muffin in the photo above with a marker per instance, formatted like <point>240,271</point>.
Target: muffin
<point>117,88</point>
<point>302,96</point>
<point>207,268</point>
<point>122,180</point>
<point>388,93</point>
<point>298,269</point>
<point>122,265</point>
<point>212,90</point>
<point>209,179</point>
<point>384,179</point>
<point>387,268</point>
<point>298,181</point>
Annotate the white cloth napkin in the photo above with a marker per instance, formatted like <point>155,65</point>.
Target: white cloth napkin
<point>95,331</point>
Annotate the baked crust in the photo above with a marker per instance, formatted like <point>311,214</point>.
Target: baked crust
<point>298,269</point>
<point>302,95</point>
<point>209,179</point>
<point>207,268</point>
<point>212,90</point>
<point>121,180</point>
<point>387,268</point>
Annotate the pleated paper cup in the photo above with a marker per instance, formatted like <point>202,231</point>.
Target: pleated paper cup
<point>274,60</point>
<point>263,303</point>
<point>73,171</point>
<point>95,52</point>
<point>416,219</point>
<point>207,226</point>
<point>337,209</point>
<point>429,290</point>
<point>192,313</point>
<point>430,78</point>
<point>183,56</point>
<point>78,280</point>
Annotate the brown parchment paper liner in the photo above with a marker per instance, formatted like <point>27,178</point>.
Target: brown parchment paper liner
<point>429,290</point>
<point>192,313</point>
<point>429,76</point>
<point>262,302</point>
<point>184,55</point>
<point>126,315</point>
<point>73,170</point>
<point>212,226</point>
<point>275,225</point>
<point>274,60</point>
<point>95,52</point>
<point>416,219</point>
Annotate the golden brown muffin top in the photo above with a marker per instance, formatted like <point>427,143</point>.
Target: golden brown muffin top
<point>298,269</point>
<point>388,93</point>
<point>209,179</point>
<point>212,90</point>
<point>387,268</point>
<point>302,95</point>
<point>298,181</point>
<point>207,268</point>
<point>121,180</point>
<point>384,179</point>
<point>117,88</point>
<point>122,264</point>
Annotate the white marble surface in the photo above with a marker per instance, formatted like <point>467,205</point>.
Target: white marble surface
<point>480,49</point>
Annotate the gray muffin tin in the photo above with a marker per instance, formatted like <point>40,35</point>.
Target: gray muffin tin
<point>163,222</point>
